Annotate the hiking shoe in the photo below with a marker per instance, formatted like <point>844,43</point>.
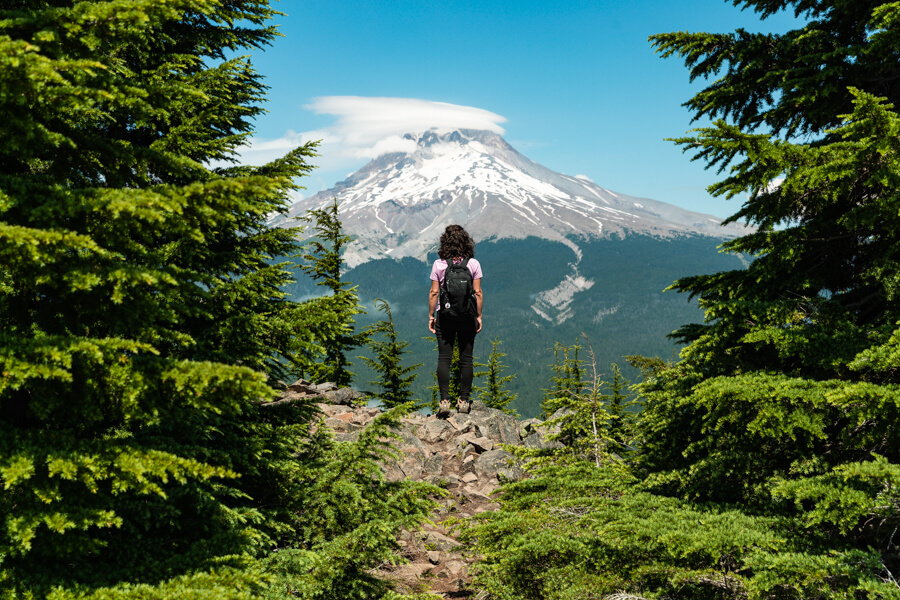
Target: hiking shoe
<point>462,406</point>
<point>444,409</point>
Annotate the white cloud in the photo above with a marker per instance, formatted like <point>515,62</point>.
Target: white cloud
<point>366,128</point>
<point>362,123</point>
<point>584,177</point>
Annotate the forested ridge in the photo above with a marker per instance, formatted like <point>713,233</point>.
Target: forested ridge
<point>145,334</point>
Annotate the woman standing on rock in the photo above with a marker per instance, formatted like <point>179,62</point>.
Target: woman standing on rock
<point>454,311</point>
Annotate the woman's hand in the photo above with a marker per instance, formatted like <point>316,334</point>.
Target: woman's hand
<point>431,325</point>
<point>479,324</point>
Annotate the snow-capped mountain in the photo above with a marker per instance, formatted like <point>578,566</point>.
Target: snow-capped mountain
<point>399,203</point>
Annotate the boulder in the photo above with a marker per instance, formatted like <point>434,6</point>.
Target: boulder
<point>495,424</point>
<point>341,425</point>
<point>482,444</point>
<point>528,426</point>
<point>436,431</point>
<point>301,386</point>
<point>432,540</point>
<point>499,464</point>
<point>434,464</point>
<point>344,396</point>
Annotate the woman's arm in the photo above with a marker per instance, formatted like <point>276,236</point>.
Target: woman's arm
<point>479,301</point>
<point>432,303</point>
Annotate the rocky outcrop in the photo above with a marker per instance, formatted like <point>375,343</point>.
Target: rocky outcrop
<point>462,454</point>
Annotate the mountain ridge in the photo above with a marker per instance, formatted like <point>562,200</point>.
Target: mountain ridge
<point>399,203</point>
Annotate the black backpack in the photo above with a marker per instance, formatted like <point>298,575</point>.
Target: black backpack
<point>457,292</point>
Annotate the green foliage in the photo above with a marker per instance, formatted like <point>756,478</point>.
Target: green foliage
<point>767,457</point>
<point>566,378</point>
<point>394,379</point>
<point>322,261</point>
<point>349,517</point>
<point>495,393</point>
<point>141,320</point>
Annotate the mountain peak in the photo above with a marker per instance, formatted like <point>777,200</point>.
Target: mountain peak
<point>398,204</point>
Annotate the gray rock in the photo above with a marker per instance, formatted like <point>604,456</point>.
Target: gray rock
<point>412,465</point>
<point>474,496</point>
<point>347,437</point>
<point>437,541</point>
<point>301,386</point>
<point>528,426</point>
<point>498,463</point>
<point>436,430</point>
<point>482,444</point>
<point>340,425</point>
<point>495,424</point>
<point>434,464</point>
<point>343,396</point>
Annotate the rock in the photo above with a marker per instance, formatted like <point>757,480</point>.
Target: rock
<point>347,437</point>
<point>461,425</point>
<point>434,464</point>
<point>435,431</point>
<point>434,557</point>
<point>437,541</point>
<point>469,477</point>
<point>341,425</point>
<point>495,424</point>
<point>456,567</point>
<point>332,409</point>
<point>476,496</point>
<point>302,386</point>
<point>478,406</point>
<point>535,440</point>
<point>482,444</point>
<point>345,396</point>
<point>528,426</point>
<point>499,464</point>
<point>411,571</point>
<point>325,387</point>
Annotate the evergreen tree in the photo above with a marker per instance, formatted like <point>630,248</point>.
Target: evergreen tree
<point>566,378</point>
<point>786,401</point>
<point>494,394</point>
<point>394,379</point>
<point>618,407</point>
<point>323,262</point>
<point>768,455</point>
<point>141,318</point>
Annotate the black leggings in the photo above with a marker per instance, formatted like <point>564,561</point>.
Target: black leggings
<point>461,332</point>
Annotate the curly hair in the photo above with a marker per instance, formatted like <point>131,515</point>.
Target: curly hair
<point>456,243</point>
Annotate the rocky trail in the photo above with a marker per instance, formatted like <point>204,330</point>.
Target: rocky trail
<point>461,454</point>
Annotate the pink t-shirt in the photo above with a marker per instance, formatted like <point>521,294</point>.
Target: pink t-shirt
<point>440,267</point>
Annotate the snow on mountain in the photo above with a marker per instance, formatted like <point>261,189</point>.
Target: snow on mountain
<point>398,204</point>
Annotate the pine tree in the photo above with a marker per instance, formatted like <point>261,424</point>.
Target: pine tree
<point>141,321</point>
<point>786,400</point>
<point>768,459</point>
<point>566,378</point>
<point>618,407</point>
<point>394,379</point>
<point>323,263</point>
<point>495,394</point>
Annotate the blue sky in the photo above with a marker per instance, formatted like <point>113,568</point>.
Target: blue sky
<point>573,85</point>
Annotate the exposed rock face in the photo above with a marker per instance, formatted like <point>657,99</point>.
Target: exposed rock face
<point>462,454</point>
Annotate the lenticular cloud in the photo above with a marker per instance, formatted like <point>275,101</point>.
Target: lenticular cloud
<point>366,126</point>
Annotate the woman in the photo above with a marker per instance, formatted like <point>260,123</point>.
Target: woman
<point>456,246</point>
